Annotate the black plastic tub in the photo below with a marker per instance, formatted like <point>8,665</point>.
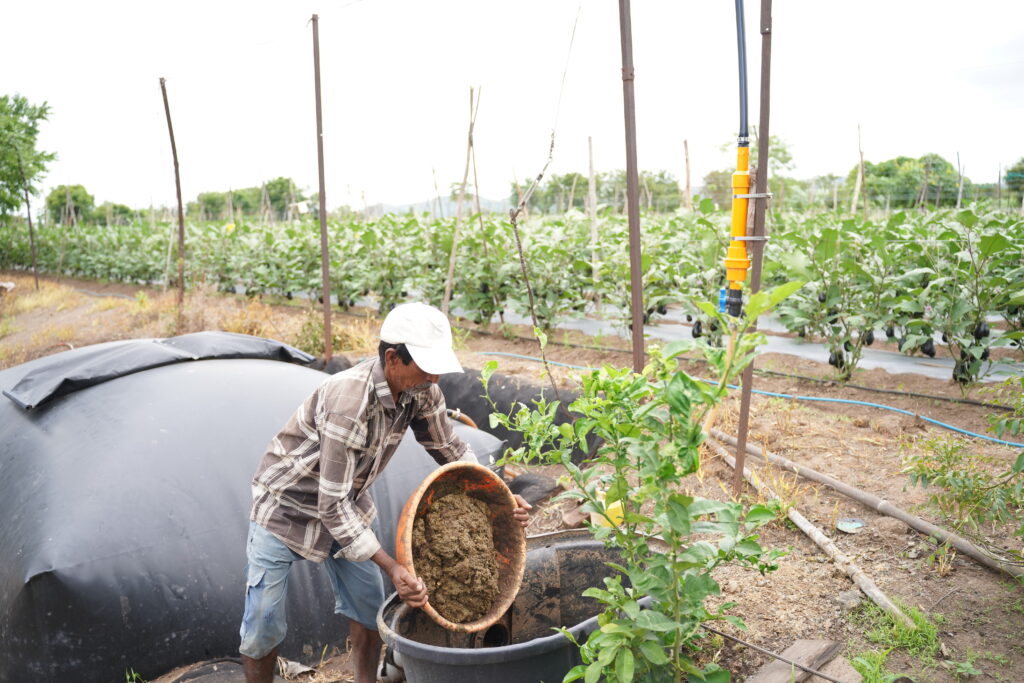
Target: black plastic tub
<point>522,646</point>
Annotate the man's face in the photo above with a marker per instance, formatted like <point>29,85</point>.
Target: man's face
<point>405,378</point>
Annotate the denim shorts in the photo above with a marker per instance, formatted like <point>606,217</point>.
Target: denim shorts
<point>358,591</point>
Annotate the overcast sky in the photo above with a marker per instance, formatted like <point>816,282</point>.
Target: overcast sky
<point>919,77</point>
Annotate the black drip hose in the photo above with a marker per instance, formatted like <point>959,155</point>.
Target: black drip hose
<point>741,46</point>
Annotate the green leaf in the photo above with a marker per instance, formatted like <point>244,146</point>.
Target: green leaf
<point>707,206</point>
<point>624,665</point>
<point>764,301</point>
<point>991,244</point>
<point>967,218</point>
<point>617,491</point>
<point>575,673</point>
<point>489,368</point>
<point>759,514</point>
<point>593,674</point>
<point>653,652</point>
<point>673,349</point>
<point>652,620</point>
<point>675,394</point>
<point>1018,466</point>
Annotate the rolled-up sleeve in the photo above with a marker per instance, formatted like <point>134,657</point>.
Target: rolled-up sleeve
<point>434,432</point>
<point>338,511</point>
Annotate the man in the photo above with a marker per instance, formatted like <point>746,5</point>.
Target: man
<point>310,498</point>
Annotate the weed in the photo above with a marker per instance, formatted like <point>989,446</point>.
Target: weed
<point>879,627</point>
<point>105,303</point>
<point>359,337</point>
<point>963,670</point>
<point>6,326</point>
<point>48,296</point>
<point>130,676</point>
<point>870,664</point>
<point>460,336</point>
<point>255,318</point>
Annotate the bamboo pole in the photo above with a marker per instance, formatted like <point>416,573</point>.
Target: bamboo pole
<point>632,189</point>
<point>959,181</point>
<point>325,254</point>
<point>688,197</point>
<point>449,281</point>
<point>841,559</point>
<point>181,213</point>
<point>880,505</point>
<point>592,210</point>
<point>756,246</point>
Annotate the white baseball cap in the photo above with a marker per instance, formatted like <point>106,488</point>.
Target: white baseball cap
<point>425,331</point>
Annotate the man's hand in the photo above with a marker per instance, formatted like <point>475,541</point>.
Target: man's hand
<point>520,513</point>
<point>410,589</point>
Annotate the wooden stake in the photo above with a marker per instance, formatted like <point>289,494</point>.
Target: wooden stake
<point>325,254</point>
<point>860,177</point>
<point>473,108</point>
<point>592,209</point>
<point>181,214</point>
<point>632,189</point>
<point>959,181</point>
<point>688,196</point>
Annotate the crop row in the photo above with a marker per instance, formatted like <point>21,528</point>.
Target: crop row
<point>917,278</point>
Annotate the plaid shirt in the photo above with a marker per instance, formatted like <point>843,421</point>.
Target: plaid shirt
<point>312,486</point>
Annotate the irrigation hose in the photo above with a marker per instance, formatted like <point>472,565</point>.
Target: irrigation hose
<point>794,397</point>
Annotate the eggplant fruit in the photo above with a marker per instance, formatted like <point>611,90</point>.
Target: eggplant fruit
<point>928,348</point>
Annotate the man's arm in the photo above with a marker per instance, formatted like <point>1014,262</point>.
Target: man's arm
<point>410,589</point>
<point>433,430</point>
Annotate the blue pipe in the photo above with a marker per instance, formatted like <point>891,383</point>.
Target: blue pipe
<point>791,396</point>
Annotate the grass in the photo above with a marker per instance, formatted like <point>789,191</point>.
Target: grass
<point>26,298</point>
<point>871,665</point>
<point>920,642</point>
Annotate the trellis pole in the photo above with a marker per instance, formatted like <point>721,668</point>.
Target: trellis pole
<point>325,259</point>
<point>756,245</point>
<point>181,213</point>
<point>632,186</point>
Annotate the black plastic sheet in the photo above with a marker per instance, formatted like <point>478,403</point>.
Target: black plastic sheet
<point>125,509</point>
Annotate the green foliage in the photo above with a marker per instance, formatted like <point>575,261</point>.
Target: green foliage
<point>643,435</point>
<point>905,182</point>
<point>21,164</point>
<point>971,489</point>
<point>658,191</point>
<point>921,276</point>
<point>1014,179</point>
<point>70,204</point>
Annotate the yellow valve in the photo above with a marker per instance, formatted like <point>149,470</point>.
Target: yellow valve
<point>736,261</point>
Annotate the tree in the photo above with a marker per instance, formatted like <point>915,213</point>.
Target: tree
<point>70,203</point>
<point>282,192</point>
<point>21,164</point>
<point>907,182</point>
<point>1015,178</point>
<point>718,187</point>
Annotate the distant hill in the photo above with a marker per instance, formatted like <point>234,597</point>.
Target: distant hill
<point>447,208</point>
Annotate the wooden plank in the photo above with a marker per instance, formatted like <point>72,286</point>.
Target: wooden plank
<point>810,653</point>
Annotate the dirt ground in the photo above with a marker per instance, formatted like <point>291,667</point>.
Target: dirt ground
<point>980,614</point>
